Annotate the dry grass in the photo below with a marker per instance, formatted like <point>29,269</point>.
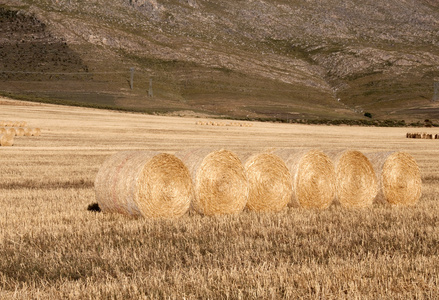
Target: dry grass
<point>51,247</point>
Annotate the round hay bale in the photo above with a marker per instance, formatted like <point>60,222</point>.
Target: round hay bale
<point>2,130</point>
<point>2,123</point>
<point>313,176</point>
<point>11,131</point>
<point>15,124</point>
<point>27,131</point>
<point>356,181</point>
<point>23,124</point>
<point>35,131</point>
<point>19,131</point>
<point>8,124</point>
<point>270,182</point>
<point>147,184</point>
<point>220,181</point>
<point>6,140</point>
<point>399,177</point>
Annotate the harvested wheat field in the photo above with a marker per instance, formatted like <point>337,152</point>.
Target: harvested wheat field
<point>52,247</point>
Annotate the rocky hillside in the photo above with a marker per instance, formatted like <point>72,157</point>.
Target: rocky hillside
<point>248,58</point>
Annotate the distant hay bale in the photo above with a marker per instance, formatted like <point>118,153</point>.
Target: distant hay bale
<point>219,179</point>
<point>35,131</point>
<point>11,131</point>
<point>19,131</point>
<point>23,124</point>
<point>356,181</point>
<point>2,123</point>
<point>313,176</point>
<point>142,183</point>
<point>399,177</point>
<point>6,140</point>
<point>270,182</point>
<point>8,123</point>
<point>15,124</point>
<point>27,131</point>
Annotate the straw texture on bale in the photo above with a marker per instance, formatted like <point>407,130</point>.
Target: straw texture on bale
<point>313,176</point>
<point>142,183</point>
<point>2,123</point>
<point>399,177</point>
<point>11,131</point>
<point>356,181</point>
<point>23,124</point>
<point>2,130</point>
<point>270,182</point>
<point>6,140</point>
<point>27,131</point>
<point>8,123</point>
<point>19,131</point>
<point>35,131</point>
<point>219,179</point>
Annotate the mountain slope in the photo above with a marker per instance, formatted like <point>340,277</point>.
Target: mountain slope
<point>277,59</point>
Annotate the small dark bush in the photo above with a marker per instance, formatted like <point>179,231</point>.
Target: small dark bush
<point>94,207</point>
<point>368,114</point>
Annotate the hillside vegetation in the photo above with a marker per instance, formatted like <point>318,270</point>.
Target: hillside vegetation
<point>276,59</point>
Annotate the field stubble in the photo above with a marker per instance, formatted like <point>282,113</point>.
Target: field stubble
<point>51,247</point>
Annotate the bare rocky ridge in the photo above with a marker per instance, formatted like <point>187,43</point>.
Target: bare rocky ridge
<point>283,59</point>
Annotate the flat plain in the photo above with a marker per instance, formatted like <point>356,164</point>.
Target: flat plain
<point>52,247</point>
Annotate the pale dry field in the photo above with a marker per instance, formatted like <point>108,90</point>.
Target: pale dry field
<point>51,247</point>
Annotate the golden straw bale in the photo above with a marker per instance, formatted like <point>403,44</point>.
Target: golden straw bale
<point>2,123</point>
<point>6,140</point>
<point>270,182</point>
<point>35,131</point>
<point>313,176</point>
<point>11,131</point>
<point>2,130</point>
<point>27,131</point>
<point>19,131</point>
<point>356,181</point>
<point>142,183</point>
<point>23,124</point>
<point>15,124</point>
<point>219,178</point>
<point>8,124</point>
<point>399,177</point>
